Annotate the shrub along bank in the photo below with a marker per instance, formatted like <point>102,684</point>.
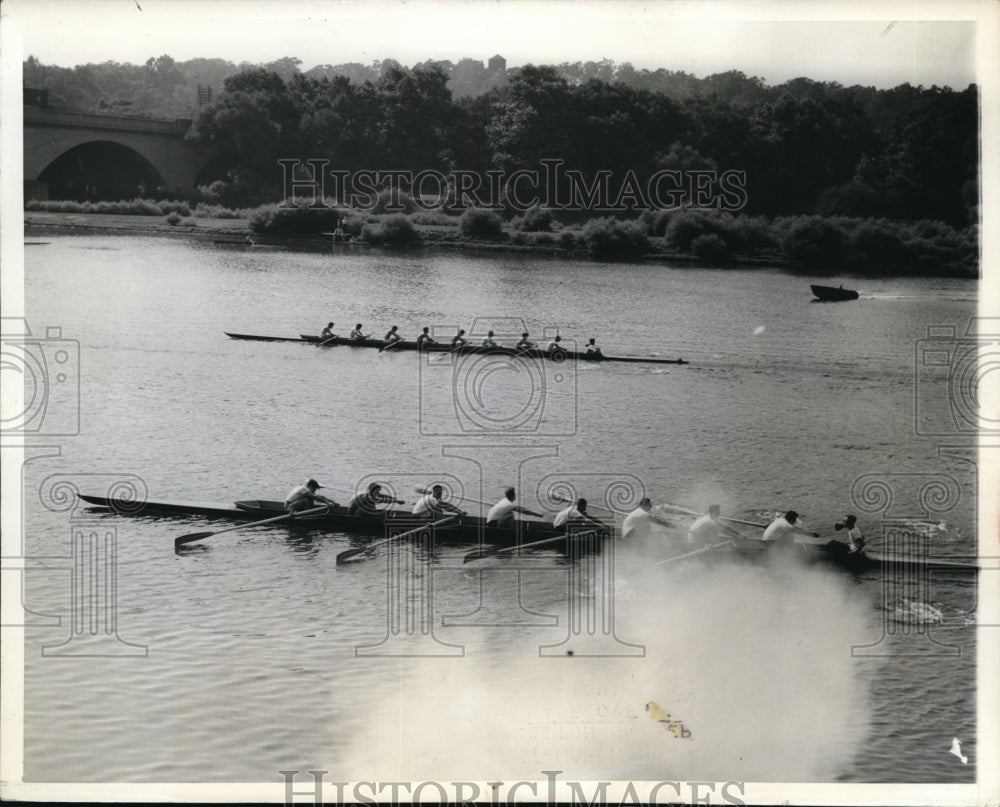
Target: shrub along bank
<point>824,243</point>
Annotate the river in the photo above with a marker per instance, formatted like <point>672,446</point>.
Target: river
<point>255,653</point>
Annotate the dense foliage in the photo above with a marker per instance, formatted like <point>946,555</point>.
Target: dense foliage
<point>874,180</point>
<point>806,147</point>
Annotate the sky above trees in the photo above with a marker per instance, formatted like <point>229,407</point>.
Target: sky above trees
<point>702,39</point>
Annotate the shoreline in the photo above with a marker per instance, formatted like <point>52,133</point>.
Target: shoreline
<point>235,232</point>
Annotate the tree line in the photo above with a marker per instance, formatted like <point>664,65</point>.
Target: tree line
<point>806,147</point>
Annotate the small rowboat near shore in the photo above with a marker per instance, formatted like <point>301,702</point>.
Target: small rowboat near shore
<point>471,529</point>
<point>405,346</point>
<point>830,294</point>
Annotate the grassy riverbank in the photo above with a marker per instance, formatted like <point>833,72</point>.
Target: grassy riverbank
<point>819,245</point>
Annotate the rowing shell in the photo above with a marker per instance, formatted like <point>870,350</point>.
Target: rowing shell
<point>473,529</point>
<point>555,355</point>
<point>467,529</point>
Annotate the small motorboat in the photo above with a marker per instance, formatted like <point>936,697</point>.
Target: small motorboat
<point>829,294</point>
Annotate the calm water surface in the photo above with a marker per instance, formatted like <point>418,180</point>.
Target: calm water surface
<point>263,655</point>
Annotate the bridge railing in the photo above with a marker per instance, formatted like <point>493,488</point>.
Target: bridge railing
<point>91,120</point>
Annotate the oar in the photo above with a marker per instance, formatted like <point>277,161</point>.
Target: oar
<point>328,340</point>
<point>197,536</point>
<point>563,500</point>
<point>424,491</point>
<point>686,512</point>
<point>696,552</point>
<point>344,557</point>
<point>596,507</point>
<point>479,554</point>
<point>729,530</point>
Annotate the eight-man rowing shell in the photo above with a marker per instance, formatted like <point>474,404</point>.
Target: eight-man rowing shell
<point>472,529</point>
<point>438,347</point>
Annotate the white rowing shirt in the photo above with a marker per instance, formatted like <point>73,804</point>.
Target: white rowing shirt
<point>488,342</point>
<point>637,520</point>
<point>854,538</point>
<point>426,504</point>
<point>565,515</point>
<point>501,510</point>
<point>703,530</point>
<point>296,495</point>
<point>778,529</point>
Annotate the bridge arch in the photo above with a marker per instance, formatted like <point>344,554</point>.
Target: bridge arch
<point>152,150</point>
<point>101,170</point>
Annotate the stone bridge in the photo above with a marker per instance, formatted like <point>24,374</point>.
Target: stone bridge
<point>158,144</point>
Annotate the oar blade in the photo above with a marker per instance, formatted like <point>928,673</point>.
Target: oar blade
<point>350,554</point>
<point>194,536</point>
<point>347,555</point>
<point>478,554</point>
<point>197,536</point>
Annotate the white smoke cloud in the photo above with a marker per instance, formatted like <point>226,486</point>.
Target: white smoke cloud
<point>755,662</point>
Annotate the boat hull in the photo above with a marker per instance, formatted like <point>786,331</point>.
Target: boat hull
<point>831,294</point>
<point>466,529</point>
<point>408,346</point>
<point>471,529</point>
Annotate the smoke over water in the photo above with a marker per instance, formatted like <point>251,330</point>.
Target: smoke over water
<point>753,663</point>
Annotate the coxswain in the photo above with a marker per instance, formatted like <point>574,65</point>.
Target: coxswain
<point>366,503</point>
<point>575,517</point>
<point>707,529</point>
<point>392,336</point>
<point>782,528</point>
<point>305,497</point>
<point>524,343</point>
<point>488,341</point>
<point>432,508</point>
<point>327,332</point>
<point>554,345</point>
<point>855,540</point>
<point>502,513</point>
<point>425,338</point>
<point>458,341</point>
<point>357,335</point>
<point>638,522</point>
<point>593,351</point>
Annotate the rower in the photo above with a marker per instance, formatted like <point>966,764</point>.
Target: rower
<point>305,496</point>
<point>502,513</point>
<point>392,336</point>
<point>639,521</point>
<point>855,540</point>
<point>524,343</point>
<point>327,332</point>
<point>357,334</point>
<point>366,504</point>
<point>575,518</point>
<point>593,351</point>
<point>554,345</point>
<point>425,338</point>
<point>432,508</point>
<point>707,529</point>
<point>458,341</point>
<point>488,341</point>
<point>782,528</point>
